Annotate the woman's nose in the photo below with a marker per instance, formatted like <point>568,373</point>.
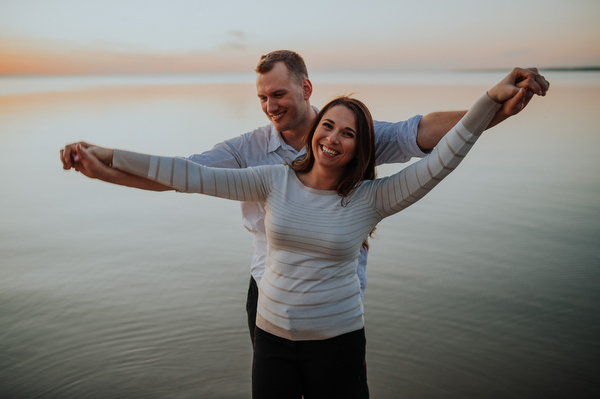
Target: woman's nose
<point>334,137</point>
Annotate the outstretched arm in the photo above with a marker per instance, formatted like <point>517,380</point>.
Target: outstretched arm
<point>179,174</point>
<point>434,126</point>
<point>412,183</point>
<point>173,173</point>
<point>228,154</point>
<point>248,184</point>
<point>94,163</point>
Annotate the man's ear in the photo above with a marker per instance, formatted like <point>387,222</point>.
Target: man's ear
<point>306,88</point>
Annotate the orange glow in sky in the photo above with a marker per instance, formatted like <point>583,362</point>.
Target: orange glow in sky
<point>115,37</point>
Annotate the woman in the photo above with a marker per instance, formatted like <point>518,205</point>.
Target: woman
<point>310,336</point>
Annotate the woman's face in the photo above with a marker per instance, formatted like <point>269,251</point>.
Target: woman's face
<point>334,140</point>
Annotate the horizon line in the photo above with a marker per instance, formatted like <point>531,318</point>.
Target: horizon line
<point>592,68</point>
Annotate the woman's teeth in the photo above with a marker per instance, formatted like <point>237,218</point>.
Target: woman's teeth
<point>329,151</point>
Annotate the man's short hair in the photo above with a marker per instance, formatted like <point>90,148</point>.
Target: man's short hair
<point>292,60</point>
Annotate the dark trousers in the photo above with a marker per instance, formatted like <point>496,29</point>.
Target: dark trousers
<point>320,369</point>
<point>360,390</point>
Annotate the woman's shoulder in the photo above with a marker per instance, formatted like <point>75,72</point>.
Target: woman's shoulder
<point>273,173</point>
<point>280,169</point>
<point>368,188</point>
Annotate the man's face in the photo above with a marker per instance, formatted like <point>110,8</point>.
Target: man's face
<point>282,99</point>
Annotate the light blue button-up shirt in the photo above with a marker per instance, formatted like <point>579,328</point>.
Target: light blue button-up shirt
<point>394,142</point>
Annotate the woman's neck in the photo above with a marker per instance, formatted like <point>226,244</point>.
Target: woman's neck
<point>319,180</point>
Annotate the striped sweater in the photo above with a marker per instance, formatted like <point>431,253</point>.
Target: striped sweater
<point>310,290</point>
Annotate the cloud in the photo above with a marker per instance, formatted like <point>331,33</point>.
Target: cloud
<point>238,34</point>
<point>236,41</point>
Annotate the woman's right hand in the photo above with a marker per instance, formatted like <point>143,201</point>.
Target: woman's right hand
<point>91,160</point>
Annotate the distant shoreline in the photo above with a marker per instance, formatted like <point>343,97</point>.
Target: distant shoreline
<point>574,69</point>
<point>550,69</point>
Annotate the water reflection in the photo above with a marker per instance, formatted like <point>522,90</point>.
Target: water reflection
<point>486,288</point>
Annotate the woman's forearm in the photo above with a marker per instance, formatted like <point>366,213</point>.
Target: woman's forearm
<point>121,178</point>
<point>415,181</point>
<point>186,176</point>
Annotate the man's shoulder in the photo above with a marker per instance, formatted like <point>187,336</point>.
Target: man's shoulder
<point>263,145</point>
<point>245,150</point>
<point>260,136</point>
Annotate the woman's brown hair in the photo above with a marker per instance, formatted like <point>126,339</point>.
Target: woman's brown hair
<point>362,166</point>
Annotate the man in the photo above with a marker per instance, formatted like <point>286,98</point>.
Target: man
<point>284,91</point>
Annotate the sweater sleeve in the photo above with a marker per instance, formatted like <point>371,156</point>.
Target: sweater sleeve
<point>397,192</point>
<point>249,184</point>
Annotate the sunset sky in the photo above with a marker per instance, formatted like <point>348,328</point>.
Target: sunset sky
<point>192,36</point>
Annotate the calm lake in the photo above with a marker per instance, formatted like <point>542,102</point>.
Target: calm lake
<point>489,287</point>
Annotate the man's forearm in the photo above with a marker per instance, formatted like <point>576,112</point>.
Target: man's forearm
<point>433,126</point>
<point>121,178</point>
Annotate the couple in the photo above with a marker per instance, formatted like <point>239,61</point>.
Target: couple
<point>320,208</point>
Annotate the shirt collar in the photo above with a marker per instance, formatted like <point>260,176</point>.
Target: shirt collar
<point>276,141</point>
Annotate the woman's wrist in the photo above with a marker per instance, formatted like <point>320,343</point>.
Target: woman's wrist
<point>492,93</point>
<point>104,154</point>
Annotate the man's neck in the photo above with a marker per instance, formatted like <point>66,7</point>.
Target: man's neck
<point>295,137</point>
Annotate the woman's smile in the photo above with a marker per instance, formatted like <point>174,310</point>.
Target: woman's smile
<point>334,141</point>
<point>329,151</point>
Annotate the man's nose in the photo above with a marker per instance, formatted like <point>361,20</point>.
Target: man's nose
<point>272,105</point>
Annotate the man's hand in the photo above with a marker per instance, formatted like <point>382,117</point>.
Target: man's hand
<point>518,87</point>
<point>95,162</point>
<point>68,154</point>
<point>531,83</point>
<point>91,160</point>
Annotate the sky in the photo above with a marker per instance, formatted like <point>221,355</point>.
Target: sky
<point>45,37</point>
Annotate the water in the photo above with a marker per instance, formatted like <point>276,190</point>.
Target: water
<point>489,287</point>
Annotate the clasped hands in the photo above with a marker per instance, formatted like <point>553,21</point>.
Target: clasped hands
<point>514,93</point>
<point>91,160</point>
<point>516,90</point>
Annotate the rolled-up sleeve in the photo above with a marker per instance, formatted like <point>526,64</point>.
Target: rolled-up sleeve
<point>397,142</point>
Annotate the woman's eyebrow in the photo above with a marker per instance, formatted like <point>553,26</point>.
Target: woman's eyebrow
<point>332,122</point>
